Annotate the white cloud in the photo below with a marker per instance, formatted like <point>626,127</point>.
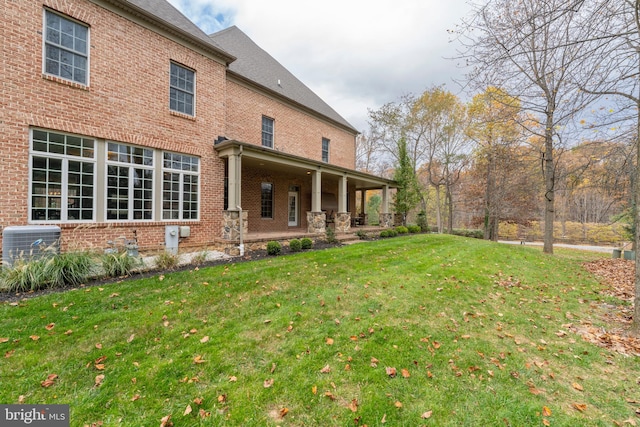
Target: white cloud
<point>354,54</point>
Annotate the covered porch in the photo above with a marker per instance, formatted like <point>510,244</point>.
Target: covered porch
<point>269,192</point>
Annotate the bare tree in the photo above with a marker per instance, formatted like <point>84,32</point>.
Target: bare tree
<point>531,49</point>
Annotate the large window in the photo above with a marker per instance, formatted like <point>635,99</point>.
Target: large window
<point>181,89</point>
<point>66,48</point>
<point>129,182</point>
<point>180,189</point>
<point>62,177</point>
<point>266,204</point>
<point>325,150</point>
<point>267,132</point>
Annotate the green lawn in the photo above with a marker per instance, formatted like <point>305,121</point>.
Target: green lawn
<point>477,333</point>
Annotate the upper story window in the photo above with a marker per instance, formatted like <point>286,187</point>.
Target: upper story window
<point>66,48</point>
<point>62,177</point>
<point>182,89</point>
<point>325,150</point>
<point>267,132</point>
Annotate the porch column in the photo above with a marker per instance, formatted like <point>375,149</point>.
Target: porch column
<point>316,191</point>
<point>316,219</point>
<point>386,218</point>
<point>363,202</point>
<point>343,218</point>
<point>235,180</point>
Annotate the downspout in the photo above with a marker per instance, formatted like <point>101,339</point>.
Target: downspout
<point>240,222</point>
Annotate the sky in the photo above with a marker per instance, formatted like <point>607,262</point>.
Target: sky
<point>356,55</point>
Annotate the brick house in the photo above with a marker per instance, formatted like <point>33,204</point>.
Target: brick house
<point>123,117</point>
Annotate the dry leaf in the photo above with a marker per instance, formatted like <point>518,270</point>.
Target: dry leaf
<point>68,332</point>
<point>197,401</point>
<point>204,339</point>
<point>546,422</point>
<point>329,395</point>
<point>99,366</point>
<point>353,405</point>
<point>580,406</point>
<point>314,389</point>
<point>34,337</point>
<point>187,410</point>
<point>268,383</point>
<point>233,379</point>
<point>204,414</point>
<point>391,372</point>
<point>49,381</point>
<point>131,337</point>
<point>2,340</point>
<point>283,412</point>
<point>326,369</point>
<point>222,398</point>
<point>50,326</point>
<point>374,362</point>
<point>99,379</point>
<point>166,421</point>
<point>546,412</point>
<point>198,359</point>
<point>405,373</point>
<point>135,397</point>
<point>427,415</point>
<point>398,404</point>
<point>329,341</point>
<point>99,346</point>
<point>577,387</point>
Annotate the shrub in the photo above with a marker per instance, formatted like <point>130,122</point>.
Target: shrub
<point>401,229</point>
<point>306,243</point>
<point>24,276</point>
<point>476,234</point>
<point>166,261</point>
<point>362,235</point>
<point>117,264</point>
<point>69,268</point>
<point>295,245</point>
<point>422,221</point>
<point>331,235</point>
<point>199,258</point>
<point>414,229</point>
<point>274,248</point>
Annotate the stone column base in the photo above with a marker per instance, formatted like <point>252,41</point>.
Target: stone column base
<point>386,220</point>
<point>231,225</point>
<point>343,222</point>
<point>317,222</point>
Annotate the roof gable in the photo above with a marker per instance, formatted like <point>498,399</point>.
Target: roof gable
<point>255,64</point>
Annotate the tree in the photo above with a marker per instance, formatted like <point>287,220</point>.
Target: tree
<point>407,195</point>
<point>494,117</point>
<point>532,49</point>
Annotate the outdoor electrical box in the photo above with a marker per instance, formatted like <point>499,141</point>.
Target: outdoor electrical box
<point>171,239</point>
<point>185,231</point>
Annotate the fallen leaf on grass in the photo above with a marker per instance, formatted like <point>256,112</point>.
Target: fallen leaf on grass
<point>50,326</point>
<point>329,341</point>
<point>131,338</point>
<point>398,404</point>
<point>198,359</point>
<point>197,401</point>
<point>233,379</point>
<point>68,332</point>
<point>427,415</point>
<point>166,421</point>
<point>546,422</point>
<point>353,405</point>
<point>187,410</point>
<point>34,337</point>
<point>577,387</point>
<point>3,340</point>
<point>329,395</point>
<point>283,412</point>
<point>405,373</point>
<point>326,369</point>
<point>391,372</point>
<point>135,397</point>
<point>314,390</point>
<point>546,411</point>
<point>268,383</point>
<point>99,379</point>
<point>49,381</point>
<point>580,406</point>
<point>99,346</point>
<point>204,339</point>
<point>222,398</point>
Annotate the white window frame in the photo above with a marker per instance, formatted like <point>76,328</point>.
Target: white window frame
<point>264,132</point>
<point>64,198</point>
<point>73,52</point>
<point>178,165</point>
<point>325,153</point>
<point>182,90</point>
<point>124,160</point>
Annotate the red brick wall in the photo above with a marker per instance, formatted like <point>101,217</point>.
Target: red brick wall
<point>295,132</point>
<point>126,101</point>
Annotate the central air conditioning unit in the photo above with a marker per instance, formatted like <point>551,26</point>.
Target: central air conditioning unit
<point>29,242</point>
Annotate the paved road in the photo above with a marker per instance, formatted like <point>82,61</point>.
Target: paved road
<point>608,249</point>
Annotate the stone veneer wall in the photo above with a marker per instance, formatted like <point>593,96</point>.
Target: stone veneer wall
<point>317,222</point>
<point>231,225</point>
<point>386,220</point>
<point>343,222</point>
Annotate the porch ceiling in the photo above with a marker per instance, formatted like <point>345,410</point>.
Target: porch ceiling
<point>278,161</point>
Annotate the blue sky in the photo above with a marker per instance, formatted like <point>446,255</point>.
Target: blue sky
<point>356,55</point>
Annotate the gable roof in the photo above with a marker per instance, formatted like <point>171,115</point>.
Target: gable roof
<point>163,13</point>
<point>256,65</point>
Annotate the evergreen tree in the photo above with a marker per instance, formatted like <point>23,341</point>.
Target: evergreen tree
<point>407,195</point>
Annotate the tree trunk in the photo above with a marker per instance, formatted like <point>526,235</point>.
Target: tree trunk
<point>449,201</point>
<point>549,183</point>
<point>438,210</point>
<point>487,200</point>
<point>635,326</point>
